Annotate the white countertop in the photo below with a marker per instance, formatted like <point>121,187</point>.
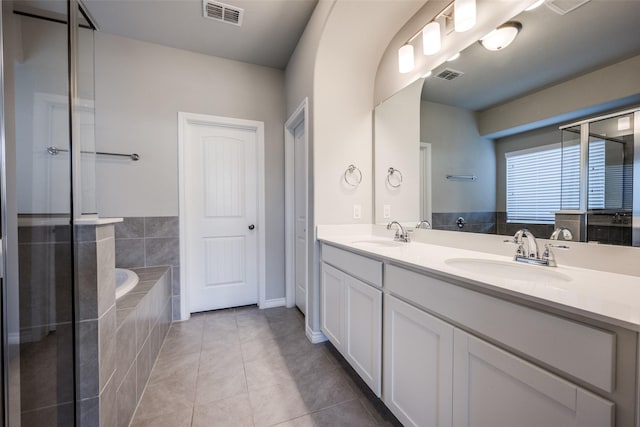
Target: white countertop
<point>609,297</point>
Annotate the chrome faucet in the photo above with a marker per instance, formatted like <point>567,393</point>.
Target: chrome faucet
<point>563,232</point>
<point>423,224</point>
<point>530,251</point>
<point>401,234</point>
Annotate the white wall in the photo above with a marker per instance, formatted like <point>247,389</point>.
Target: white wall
<point>458,149</point>
<point>140,88</point>
<point>298,86</point>
<point>397,145</point>
<point>350,49</point>
<point>334,65</point>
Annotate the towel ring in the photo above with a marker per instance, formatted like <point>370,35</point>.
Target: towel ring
<point>392,172</point>
<point>355,174</point>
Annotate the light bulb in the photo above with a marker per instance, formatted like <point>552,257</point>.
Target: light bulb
<point>431,38</point>
<point>464,15</point>
<point>405,58</point>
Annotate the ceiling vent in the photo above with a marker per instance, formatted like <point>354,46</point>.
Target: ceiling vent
<point>222,12</point>
<point>449,74</point>
<point>562,7</point>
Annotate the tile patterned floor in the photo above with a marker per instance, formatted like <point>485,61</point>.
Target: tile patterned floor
<point>250,367</point>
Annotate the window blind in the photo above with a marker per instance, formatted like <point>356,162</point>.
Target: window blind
<point>533,184</point>
<point>543,180</point>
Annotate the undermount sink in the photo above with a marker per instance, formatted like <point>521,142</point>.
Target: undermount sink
<point>508,270</point>
<point>380,243</point>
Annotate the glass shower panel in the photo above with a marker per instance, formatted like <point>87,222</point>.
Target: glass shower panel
<point>570,169</point>
<point>85,114</point>
<point>610,180</point>
<point>37,51</point>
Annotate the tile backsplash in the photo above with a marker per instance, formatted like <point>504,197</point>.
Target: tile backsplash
<point>150,242</point>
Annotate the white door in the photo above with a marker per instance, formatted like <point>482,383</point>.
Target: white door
<point>220,215</point>
<point>425,182</point>
<point>300,214</point>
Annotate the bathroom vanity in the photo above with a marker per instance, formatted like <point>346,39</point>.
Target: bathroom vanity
<point>453,337</point>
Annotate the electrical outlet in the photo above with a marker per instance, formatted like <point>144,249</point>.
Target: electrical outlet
<point>357,211</point>
<point>387,211</point>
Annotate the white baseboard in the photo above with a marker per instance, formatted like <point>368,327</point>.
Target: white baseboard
<point>315,336</point>
<point>271,303</point>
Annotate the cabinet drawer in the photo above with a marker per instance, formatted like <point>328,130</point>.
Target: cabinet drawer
<point>585,352</point>
<point>358,266</point>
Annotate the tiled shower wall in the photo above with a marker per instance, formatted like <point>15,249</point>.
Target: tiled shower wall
<point>475,222</point>
<point>150,242</point>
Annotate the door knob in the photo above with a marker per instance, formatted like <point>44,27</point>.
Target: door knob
<point>251,227</point>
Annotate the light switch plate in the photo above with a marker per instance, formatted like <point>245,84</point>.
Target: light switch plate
<point>387,211</point>
<point>357,211</point>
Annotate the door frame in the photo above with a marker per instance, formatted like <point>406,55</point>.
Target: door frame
<point>426,209</point>
<point>300,114</point>
<point>184,120</point>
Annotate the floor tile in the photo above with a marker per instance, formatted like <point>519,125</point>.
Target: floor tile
<point>215,386</point>
<point>173,419</point>
<point>251,367</point>
<point>180,368</point>
<point>234,411</point>
<point>320,390</point>
<point>348,414</point>
<point>166,397</point>
<point>260,349</point>
<point>220,360</point>
<point>253,332</point>
<point>273,405</point>
<point>267,372</point>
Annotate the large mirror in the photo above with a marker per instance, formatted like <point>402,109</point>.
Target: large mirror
<point>500,132</point>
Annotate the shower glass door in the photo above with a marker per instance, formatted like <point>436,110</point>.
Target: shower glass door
<point>610,180</point>
<point>41,332</point>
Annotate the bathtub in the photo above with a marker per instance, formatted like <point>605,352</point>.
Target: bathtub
<point>125,281</point>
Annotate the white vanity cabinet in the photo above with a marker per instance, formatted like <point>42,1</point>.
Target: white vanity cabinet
<point>495,388</point>
<point>351,310</point>
<point>481,384</point>
<point>418,365</point>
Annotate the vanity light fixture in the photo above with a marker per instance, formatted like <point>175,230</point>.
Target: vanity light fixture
<point>405,58</point>
<point>535,5</point>
<point>454,57</point>
<point>464,15</point>
<point>431,38</point>
<point>502,36</point>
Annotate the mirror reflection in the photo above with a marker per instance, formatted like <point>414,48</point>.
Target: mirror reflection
<point>528,135</point>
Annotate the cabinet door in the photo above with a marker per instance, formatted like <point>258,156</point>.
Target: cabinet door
<point>418,355</point>
<point>364,330</point>
<point>332,289</point>
<point>495,388</point>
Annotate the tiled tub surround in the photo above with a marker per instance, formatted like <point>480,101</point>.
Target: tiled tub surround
<point>143,320</point>
<point>45,320</point>
<point>150,242</point>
